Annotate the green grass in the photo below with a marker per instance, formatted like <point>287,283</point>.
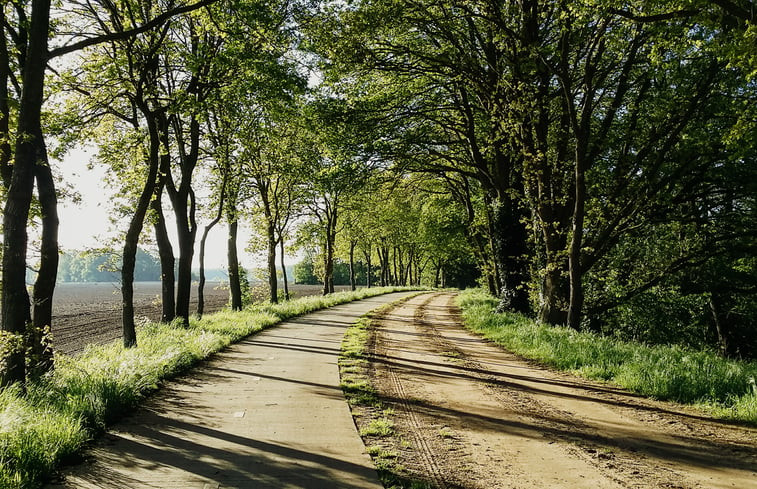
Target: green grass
<point>662,372</point>
<point>61,412</point>
<point>378,427</point>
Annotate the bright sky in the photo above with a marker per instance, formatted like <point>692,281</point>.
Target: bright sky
<point>87,224</point>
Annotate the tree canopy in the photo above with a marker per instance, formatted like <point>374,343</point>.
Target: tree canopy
<point>592,163</point>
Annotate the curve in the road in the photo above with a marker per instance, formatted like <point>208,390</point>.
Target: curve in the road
<point>266,412</point>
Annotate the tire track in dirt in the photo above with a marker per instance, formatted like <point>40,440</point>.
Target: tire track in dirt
<point>513,424</point>
<point>418,434</point>
<point>426,453</point>
<point>636,441</point>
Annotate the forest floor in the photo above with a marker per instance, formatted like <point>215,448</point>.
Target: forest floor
<point>467,414</point>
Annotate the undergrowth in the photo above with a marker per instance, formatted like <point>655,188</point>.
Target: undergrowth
<point>59,413</point>
<point>663,372</point>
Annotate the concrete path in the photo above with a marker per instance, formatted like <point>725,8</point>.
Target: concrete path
<point>267,412</point>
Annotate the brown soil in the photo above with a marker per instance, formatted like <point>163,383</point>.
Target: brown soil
<point>90,313</point>
<point>468,414</point>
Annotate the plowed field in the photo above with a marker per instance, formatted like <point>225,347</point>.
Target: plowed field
<point>91,312</point>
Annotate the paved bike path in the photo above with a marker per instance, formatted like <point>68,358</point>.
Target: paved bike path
<point>267,412</point>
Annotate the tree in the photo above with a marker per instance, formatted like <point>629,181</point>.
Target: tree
<point>432,81</point>
<point>271,170</point>
<point>30,163</point>
<point>526,98</point>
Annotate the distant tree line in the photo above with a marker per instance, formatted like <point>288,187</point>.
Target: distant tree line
<point>105,267</point>
<point>305,273</point>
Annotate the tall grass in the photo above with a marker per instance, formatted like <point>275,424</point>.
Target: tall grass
<point>662,372</point>
<point>61,412</point>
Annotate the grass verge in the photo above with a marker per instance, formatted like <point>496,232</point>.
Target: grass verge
<point>719,385</point>
<point>58,414</point>
<point>372,418</point>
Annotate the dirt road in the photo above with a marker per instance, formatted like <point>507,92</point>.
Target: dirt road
<point>469,415</point>
<point>267,412</point>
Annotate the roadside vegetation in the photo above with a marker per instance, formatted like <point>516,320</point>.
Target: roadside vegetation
<point>372,417</point>
<point>61,411</point>
<point>703,378</point>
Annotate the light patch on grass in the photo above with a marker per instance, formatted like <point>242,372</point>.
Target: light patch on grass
<point>380,452</point>
<point>378,427</point>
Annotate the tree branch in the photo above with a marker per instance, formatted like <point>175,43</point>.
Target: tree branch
<point>654,18</point>
<point>116,36</point>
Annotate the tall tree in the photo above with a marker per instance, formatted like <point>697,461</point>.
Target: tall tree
<point>29,152</point>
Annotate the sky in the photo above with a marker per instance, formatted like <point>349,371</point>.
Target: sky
<point>86,224</point>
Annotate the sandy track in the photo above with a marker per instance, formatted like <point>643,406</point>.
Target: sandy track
<point>470,415</point>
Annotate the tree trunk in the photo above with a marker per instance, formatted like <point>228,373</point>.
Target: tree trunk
<point>720,330</point>
<point>283,268</point>
<point>131,240</point>
<point>235,288</point>
<point>15,297</point>
<point>206,231</point>
<point>184,208</point>
<point>555,286</point>
<point>492,237</point>
<point>201,285</point>
<point>6,153</point>
<point>44,286</point>
<point>167,261</point>
<point>29,150</point>
<point>491,285</point>
<point>382,281</point>
<point>186,239</point>
<point>394,276</point>
<point>510,251</point>
<point>369,271</point>
<point>575,307</point>
<point>273,283</point>
<point>328,276</point>
<point>554,294</point>
<point>353,285</point>
<point>402,279</point>
<point>328,268</point>
<point>384,261</point>
<point>165,249</point>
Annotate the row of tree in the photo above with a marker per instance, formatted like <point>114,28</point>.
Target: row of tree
<point>589,158</point>
<point>201,109</point>
<point>30,43</point>
<point>604,151</point>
